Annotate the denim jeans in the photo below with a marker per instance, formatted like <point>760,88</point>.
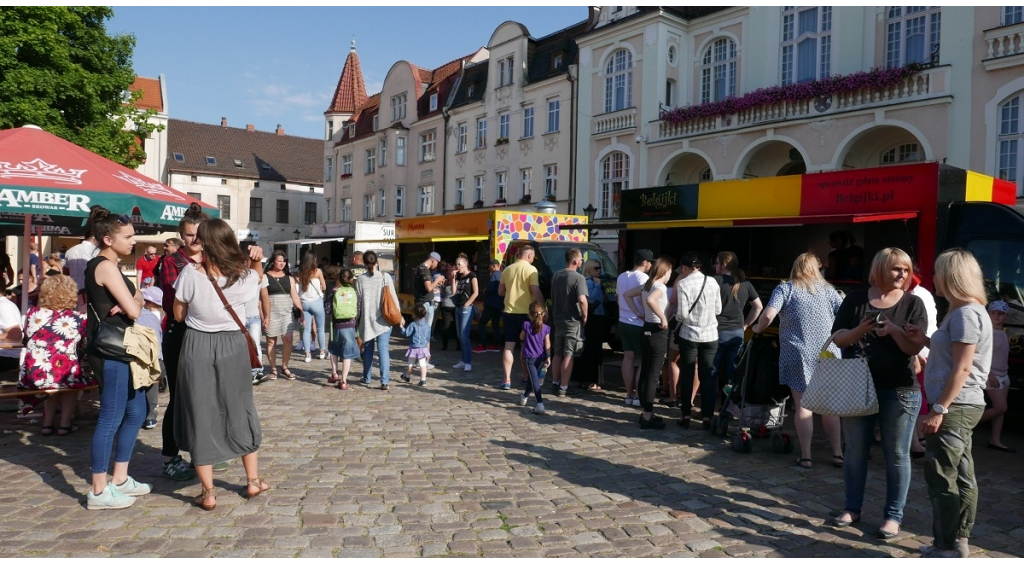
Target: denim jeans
<point>897,414</point>
<point>383,355</point>
<point>122,411</point>
<point>701,355</point>
<point>314,309</point>
<point>655,347</point>
<point>255,327</point>
<point>535,382</point>
<point>949,473</point>
<point>729,343</point>
<point>431,308</point>
<point>464,329</point>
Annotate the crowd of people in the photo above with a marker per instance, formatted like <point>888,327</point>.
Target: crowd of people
<point>681,330</point>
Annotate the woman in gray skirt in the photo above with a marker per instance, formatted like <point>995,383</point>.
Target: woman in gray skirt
<point>215,418</point>
<point>281,288</point>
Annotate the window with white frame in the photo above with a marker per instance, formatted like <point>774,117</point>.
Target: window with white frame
<point>526,182</point>
<point>383,161</point>
<point>398,107</point>
<point>345,213</point>
<point>618,81</point>
<point>503,121</point>
<point>550,180</point>
<point>399,201</point>
<point>427,199</point>
<point>705,175</point>
<point>460,187</point>
<point>368,207</point>
<point>481,133</point>
<point>371,161</point>
<point>352,130</point>
<point>718,71</point>
<point>346,165</point>
<point>505,72</point>
<point>500,184</point>
<point>382,202</point>
<point>614,179</point>
<point>329,210</point>
<point>428,146</point>
<point>1011,136</point>
<point>1013,15</point>
<point>904,153</point>
<point>433,102</point>
<point>330,128</point>
<point>376,121</point>
<point>554,106</point>
<point>328,169</point>
<point>528,122</point>
<point>478,188</point>
<point>463,138</point>
<point>912,35</point>
<point>400,151</point>
<point>806,43</point>
<point>670,93</point>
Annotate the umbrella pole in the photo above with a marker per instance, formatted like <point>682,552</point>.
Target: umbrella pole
<point>25,263</point>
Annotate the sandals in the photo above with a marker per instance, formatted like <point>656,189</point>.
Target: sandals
<point>287,374</point>
<point>804,462</point>
<point>65,431</point>
<point>342,385</point>
<point>837,460</point>
<point>334,379</point>
<point>46,430</point>
<point>273,375</point>
<point>202,500</point>
<point>257,483</point>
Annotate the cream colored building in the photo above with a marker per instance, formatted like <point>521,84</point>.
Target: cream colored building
<point>960,108</point>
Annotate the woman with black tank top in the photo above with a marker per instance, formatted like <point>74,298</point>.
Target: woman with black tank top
<point>281,288</point>
<point>113,299</point>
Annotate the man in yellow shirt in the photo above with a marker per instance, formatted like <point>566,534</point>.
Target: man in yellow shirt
<point>520,287</point>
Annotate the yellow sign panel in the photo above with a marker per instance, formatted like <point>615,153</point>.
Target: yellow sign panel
<point>979,188</point>
<point>760,197</point>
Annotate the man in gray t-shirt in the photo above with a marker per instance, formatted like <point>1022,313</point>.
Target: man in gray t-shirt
<point>569,314</point>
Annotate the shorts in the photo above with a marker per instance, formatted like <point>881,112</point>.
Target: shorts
<point>631,337</point>
<point>567,340</point>
<point>513,324</point>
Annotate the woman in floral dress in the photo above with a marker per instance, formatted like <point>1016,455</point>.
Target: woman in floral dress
<point>49,361</point>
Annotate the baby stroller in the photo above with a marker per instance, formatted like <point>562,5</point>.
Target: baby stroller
<point>757,405</point>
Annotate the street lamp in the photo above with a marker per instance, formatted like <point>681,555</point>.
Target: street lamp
<point>591,211</point>
<point>297,246</point>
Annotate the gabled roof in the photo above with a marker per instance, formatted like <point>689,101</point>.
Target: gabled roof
<point>351,90</point>
<point>152,95</point>
<point>473,84</point>
<point>262,155</point>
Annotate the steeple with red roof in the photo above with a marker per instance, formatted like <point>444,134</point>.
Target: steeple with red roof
<point>351,90</point>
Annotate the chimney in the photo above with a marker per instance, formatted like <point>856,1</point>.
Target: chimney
<point>223,122</point>
<point>250,127</point>
<point>280,130</point>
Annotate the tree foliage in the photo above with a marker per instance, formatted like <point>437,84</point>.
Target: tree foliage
<point>60,70</point>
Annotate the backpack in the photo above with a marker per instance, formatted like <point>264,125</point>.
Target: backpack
<point>344,306</point>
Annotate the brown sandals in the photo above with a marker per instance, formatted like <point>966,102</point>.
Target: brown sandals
<point>257,483</point>
<point>202,500</point>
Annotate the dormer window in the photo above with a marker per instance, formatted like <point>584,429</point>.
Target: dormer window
<point>469,91</point>
<point>352,130</point>
<point>505,67</point>
<point>433,101</point>
<point>238,163</point>
<point>397,107</point>
<point>179,157</point>
<point>556,60</point>
<point>211,161</point>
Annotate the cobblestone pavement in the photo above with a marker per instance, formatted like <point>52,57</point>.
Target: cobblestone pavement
<point>458,468</point>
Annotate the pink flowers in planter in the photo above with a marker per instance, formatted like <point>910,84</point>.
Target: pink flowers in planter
<point>875,79</point>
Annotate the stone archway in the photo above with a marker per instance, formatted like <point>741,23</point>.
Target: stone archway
<point>883,145</point>
<point>686,168</point>
<point>774,158</point>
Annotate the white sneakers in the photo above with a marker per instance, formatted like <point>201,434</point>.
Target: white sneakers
<point>539,408</point>
<point>117,497</point>
<point>309,358</point>
<point>323,355</point>
<point>464,366</point>
<point>132,488</point>
<point>460,364</point>
<point>523,398</point>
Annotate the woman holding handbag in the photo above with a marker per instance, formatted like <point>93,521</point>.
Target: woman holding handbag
<point>284,301</point>
<point>872,322</point>
<point>114,301</point>
<point>376,317</point>
<point>216,420</point>
<point>311,295</point>
<point>806,305</point>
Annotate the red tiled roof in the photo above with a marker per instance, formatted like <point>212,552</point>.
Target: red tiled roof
<point>152,97</point>
<point>351,90</point>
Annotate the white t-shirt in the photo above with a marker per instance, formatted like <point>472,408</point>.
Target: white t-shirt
<point>205,311</point>
<point>649,314</point>
<point>626,282</point>
<point>252,305</point>
<point>10,315</point>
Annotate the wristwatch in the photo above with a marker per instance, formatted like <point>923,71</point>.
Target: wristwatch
<point>940,409</point>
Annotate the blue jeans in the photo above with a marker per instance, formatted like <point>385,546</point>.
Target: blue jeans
<point>314,309</point>
<point>729,343</point>
<point>431,308</point>
<point>464,329</point>
<point>897,415</point>
<point>536,381</point>
<point>255,327</point>
<point>383,355</point>
<point>122,411</point>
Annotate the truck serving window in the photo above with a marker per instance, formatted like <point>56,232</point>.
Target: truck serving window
<point>1002,264</point>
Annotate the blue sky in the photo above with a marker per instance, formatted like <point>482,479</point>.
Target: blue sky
<point>269,66</point>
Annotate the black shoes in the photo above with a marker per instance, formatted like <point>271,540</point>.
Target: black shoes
<point>654,422</point>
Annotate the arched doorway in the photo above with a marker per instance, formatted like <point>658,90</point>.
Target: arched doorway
<point>686,168</point>
<point>774,158</point>
<point>883,145</point>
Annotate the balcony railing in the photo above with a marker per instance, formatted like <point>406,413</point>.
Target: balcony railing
<point>614,121</point>
<point>929,83</point>
<point>1005,46</point>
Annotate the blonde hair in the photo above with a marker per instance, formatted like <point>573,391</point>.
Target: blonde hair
<point>884,261</point>
<point>806,273</point>
<point>58,292</point>
<point>588,268</point>
<point>958,277</point>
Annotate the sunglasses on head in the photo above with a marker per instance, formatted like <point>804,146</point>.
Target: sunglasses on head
<point>125,219</point>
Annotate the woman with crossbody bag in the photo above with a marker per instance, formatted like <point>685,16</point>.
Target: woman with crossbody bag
<point>698,305</point>
<point>284,299</point>
<point>311,294</point>
<point>215,417</point>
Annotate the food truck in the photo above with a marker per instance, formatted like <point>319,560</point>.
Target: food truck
<point>492,234</point>
<point>922,208</point>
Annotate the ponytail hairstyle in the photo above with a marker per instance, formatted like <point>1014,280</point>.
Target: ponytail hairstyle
<point>194,215</point>
<point>345,277</point>
<point>370,262</point>
<point>661,266</point>
<point>221,249</point>
<point>731,262</point>
<point>537,312</point>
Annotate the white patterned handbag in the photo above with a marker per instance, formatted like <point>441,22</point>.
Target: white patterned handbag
<point>841,386</point>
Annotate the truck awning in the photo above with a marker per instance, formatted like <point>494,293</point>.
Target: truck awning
<point>443,239</point>
<point>310,241</point>
<point>771,221</point>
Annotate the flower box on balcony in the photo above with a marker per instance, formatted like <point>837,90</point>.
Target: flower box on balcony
<point>347,175</point>
<point>478,204</point>
<point>501,141</point>
<point>499,203</point>
<point>524,200</point>
<point>460,207</point>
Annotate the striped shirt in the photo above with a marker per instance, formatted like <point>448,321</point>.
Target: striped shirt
<point>701,324</point>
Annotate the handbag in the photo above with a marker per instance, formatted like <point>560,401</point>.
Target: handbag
<point>389,308</point>
<point>108,340</point>
<point>841,386</point>
<point>254,356</point>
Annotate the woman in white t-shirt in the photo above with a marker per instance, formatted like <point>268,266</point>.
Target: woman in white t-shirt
<point>311,294</point>
<point>215,419</point>
<point>654,340</point>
